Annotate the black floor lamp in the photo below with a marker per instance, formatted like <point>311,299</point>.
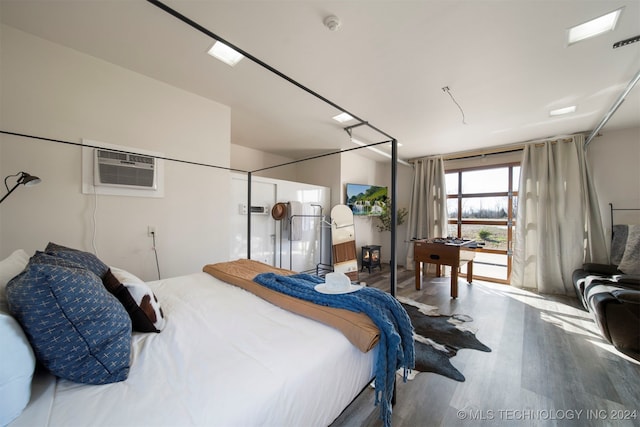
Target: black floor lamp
<point>23,178</point>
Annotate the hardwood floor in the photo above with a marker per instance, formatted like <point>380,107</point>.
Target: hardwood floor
<point>549,364</point>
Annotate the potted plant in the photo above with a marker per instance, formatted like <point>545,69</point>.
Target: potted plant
<point>385,216</point>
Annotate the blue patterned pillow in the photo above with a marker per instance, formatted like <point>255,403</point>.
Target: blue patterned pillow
<point>77,329</point>
<point>85,259</point>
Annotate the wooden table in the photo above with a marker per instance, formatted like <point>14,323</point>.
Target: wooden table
<point>454,255</point>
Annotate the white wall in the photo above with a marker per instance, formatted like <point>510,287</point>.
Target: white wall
<point>51,91</point>
<point>324,171</point>
<point>615,167</point>
<point>249,160</point>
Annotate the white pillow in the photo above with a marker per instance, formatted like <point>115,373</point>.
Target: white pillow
<point>10,267</point>
<point>124,276</point>
<point>16,369</point>
<point>142,295</point>
<point>630,262</point>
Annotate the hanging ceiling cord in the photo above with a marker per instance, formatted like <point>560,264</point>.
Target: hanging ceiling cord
<point>448,91</point>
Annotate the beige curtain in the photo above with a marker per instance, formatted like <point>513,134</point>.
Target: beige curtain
<point>595,242</point>
<point>428,205</point>
<point>558,224</point>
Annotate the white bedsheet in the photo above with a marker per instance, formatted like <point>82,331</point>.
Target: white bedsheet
<point>225,358</point>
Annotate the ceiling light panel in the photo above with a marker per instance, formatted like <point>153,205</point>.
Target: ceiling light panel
<point>594,27</point>
<point>225,54</point>
<point>342,117</point>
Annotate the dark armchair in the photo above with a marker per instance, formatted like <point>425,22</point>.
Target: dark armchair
<point>611,293</point>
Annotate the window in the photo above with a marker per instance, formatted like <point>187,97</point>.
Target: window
<point>481,203</point>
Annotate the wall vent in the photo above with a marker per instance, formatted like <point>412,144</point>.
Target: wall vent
<point>626,42</point>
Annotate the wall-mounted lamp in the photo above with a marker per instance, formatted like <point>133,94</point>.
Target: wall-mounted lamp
<point>23,178</point>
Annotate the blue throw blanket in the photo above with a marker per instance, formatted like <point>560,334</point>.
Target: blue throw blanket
<point>395,348</point>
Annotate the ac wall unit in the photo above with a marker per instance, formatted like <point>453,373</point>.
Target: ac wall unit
<point>117,169</point>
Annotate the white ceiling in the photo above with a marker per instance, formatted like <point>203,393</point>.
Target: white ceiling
<point>506,63</point>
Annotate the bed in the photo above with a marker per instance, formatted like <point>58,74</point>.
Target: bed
<point>224,357</point>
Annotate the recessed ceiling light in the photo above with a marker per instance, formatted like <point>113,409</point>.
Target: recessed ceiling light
<point>594,27</point>
<point>225,54</point>
<point>342,117</point>
<point>562,111</point>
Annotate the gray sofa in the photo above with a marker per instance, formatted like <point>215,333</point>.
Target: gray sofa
<point>611,293</point>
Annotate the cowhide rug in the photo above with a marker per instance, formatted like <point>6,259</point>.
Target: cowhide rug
<point>438,338</point>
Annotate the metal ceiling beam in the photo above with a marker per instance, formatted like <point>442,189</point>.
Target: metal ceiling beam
<point>613,109</point>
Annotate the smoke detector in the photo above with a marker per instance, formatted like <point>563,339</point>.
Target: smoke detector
<point>332,22</point>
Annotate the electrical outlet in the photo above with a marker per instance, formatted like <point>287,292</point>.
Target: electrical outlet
<point>151,230</point>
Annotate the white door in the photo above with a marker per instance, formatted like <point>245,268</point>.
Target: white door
<point>263,196</point>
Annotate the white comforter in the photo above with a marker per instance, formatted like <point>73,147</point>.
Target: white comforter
<point>225,358</point>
